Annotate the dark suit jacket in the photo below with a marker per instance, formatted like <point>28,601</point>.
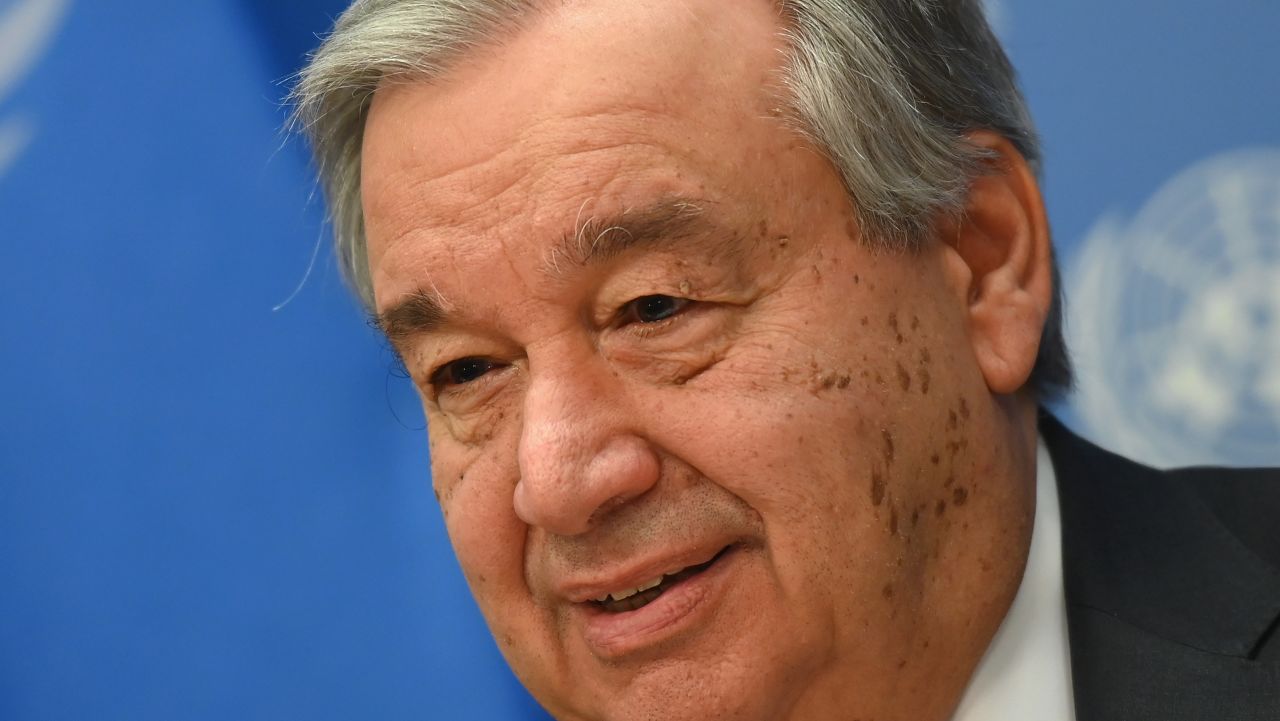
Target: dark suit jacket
<point>1172,585</point>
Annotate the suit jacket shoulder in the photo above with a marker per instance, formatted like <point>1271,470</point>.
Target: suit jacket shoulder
<point>1172,585</point>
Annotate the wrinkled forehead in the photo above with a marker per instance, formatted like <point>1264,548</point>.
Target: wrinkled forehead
<point>566,112</point>
<point>618,64</point>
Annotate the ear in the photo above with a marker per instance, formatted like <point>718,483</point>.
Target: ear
<point>999,264</point>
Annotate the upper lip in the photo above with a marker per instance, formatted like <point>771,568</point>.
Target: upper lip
<point>625,577</point>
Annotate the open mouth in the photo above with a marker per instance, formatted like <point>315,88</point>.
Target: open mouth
<point>632,599</point>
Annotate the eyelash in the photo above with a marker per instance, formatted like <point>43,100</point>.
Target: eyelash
<point>438,376</point>
<point>628,314</point>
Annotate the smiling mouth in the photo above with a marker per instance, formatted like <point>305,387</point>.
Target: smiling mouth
<point>630,600</point>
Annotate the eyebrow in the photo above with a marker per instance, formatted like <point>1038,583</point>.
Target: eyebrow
<point>417,313</point>
<point>594,240</point>
<point>659,225</point>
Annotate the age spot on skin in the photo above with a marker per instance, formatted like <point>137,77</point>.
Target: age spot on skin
<point>964,409</point>
<point>893,325</point>
<point>915,323</point>
<point>893,521</point>
<point>952,421</point>
<point>959,496</point>
<point>822,383</point>
<point>904,378</point>
<point>877,488</point>
<point>935,459</point>
<point>941,508</point>
<point>887,591</point>
<point>924,380</point>
<point>888,445</point>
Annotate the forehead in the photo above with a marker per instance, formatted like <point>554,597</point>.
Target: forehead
<point>591,104</point>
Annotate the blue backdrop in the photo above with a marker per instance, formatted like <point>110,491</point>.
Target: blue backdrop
<point>213,489</point>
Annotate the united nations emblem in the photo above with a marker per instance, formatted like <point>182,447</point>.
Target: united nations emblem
<point>1174,319</point>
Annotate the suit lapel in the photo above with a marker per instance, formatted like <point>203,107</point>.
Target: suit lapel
<point>1166,608</point>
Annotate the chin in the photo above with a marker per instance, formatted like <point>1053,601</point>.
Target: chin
<point>676,696</point>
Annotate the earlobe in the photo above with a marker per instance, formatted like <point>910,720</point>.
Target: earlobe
<point>999,263</point>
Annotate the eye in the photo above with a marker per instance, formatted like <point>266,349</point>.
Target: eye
<point>652,308</point>
<point>461,371</point>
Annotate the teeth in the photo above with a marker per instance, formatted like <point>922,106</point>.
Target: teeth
<point>619,595</point>
<point>624,594</point>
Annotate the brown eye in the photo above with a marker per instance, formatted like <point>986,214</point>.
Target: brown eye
<point>653,308</point>
<point>462,371</point>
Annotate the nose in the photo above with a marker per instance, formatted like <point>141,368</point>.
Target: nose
<point>580,455</point>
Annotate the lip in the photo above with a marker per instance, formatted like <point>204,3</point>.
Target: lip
<point>638,572</point>
<point>613,636</point>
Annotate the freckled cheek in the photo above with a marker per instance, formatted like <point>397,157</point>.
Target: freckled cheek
<point>810,479</point>
<point>777,441</point>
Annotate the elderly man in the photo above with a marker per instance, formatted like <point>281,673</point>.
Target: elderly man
<point>731,321</point>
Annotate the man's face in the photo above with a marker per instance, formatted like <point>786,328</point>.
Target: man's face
<point>652,346</point>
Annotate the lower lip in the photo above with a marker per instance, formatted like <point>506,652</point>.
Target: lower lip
<point>612,636</point>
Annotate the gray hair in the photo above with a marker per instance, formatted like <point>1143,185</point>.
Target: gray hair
<point>887,88</point>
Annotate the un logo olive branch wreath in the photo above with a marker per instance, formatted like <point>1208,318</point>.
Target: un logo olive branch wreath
<point>1174,318</point>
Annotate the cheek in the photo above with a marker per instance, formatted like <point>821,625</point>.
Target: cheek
<point>474,488</point>
<point>837,433</point>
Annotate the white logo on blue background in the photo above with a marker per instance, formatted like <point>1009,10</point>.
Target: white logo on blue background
<point>1174,319</point>
<point>26,29</point>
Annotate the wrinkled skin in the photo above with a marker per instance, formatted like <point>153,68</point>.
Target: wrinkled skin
<point>849,423</point>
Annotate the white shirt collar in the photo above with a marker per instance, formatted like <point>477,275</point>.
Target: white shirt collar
<point>1026,671</point>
